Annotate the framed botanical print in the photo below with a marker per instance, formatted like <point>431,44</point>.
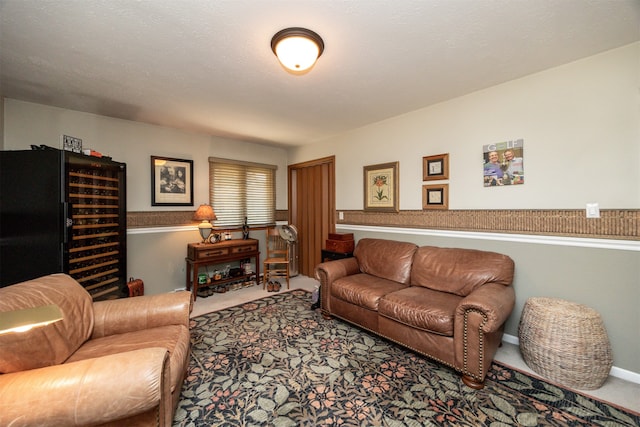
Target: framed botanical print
<point>435,196</point>
<point>171,182</point>
<point>435,167</point>
<point>381,187</point>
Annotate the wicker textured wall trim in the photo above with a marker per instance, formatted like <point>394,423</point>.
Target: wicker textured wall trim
<point>623,224</point>
<point>613,224</point>
<point>160,219</point>
<point>173,218</point>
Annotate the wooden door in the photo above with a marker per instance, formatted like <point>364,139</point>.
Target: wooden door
<point>312,208</point>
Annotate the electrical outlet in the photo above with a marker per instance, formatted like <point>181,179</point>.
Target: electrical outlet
<point>341,216</point>
<point>593,210</point>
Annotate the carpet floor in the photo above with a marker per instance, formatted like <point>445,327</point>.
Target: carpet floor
<point>275,362</point>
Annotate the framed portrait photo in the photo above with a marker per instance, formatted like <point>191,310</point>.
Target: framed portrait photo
<point>435,167</point>
<point>381,187</point>
<point>435,196</point>
<point>171,181</point>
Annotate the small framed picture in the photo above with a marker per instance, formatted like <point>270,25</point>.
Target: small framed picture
<point>381,187</point>
<point>171,182</point>
<point>435,196</point>
<point>71,143</point>
<point>435,167</point>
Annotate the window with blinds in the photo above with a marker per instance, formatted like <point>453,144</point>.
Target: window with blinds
<point>241,189</point>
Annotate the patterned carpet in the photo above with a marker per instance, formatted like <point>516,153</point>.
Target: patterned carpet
<point>275,362</point>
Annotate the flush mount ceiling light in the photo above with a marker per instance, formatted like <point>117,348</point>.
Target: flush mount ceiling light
<point>297,48</point>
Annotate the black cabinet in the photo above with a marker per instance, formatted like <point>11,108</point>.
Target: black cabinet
<point>63,212</point>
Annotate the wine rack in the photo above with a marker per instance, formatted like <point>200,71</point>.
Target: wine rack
<point>95,249</point>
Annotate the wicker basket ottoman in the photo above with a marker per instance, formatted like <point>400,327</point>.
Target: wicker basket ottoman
<point>565,342</point>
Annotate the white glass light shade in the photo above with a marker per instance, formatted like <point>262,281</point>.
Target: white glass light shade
<point>297,49</point>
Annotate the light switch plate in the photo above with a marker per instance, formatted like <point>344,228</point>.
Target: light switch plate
<point>593,210</point>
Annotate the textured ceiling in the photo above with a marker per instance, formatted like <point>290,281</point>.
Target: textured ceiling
<point>207,66</point>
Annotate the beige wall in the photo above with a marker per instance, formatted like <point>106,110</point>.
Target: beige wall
<point>579,122</point>
<point>581,127</point>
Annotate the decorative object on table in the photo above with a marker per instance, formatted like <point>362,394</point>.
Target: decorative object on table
<point>435,167</point>
<point>205,214</point>
<point>245,229</point>
<point>565,342</point>
<point>171,181</point>
<point>435,196</point>
<point>136,287</point>
<point>503,163</point>
<point>381,187</point>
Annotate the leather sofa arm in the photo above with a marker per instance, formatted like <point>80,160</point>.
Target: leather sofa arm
<point>133,314</point>
<point>333,270</point>
<point>493,300</point>
<point>330,271</point>
<point>88,392</point>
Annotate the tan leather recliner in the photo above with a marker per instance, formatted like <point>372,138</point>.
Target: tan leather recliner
<point>117,362</point>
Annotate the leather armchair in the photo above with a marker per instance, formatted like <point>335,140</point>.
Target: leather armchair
<point>117,362</point>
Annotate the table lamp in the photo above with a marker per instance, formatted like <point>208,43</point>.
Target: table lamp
<point>205,214</point>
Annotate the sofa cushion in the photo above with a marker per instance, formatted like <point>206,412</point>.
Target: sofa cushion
<point>52,344</point>
<point>175,338</point>
<point>421,308</point>
<point>459,271</point>
<point>387,259</point>
<point>363,290</point>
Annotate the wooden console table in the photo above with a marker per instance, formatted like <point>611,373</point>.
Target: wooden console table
<point>202,254</point>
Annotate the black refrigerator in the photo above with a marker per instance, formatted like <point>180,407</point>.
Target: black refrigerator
<point>63,212</point>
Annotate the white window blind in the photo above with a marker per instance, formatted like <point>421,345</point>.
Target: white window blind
<point>242,189</point>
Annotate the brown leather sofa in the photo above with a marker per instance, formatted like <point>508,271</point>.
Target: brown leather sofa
<point>445,303</point>
<point>108,363</point>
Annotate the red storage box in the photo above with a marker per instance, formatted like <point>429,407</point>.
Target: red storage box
<point>342,243</point>
<point>339,236</point>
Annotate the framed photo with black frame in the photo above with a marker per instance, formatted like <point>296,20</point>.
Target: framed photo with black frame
<point>435,167</point>
<point>435,196</point>
<point>171,181</point>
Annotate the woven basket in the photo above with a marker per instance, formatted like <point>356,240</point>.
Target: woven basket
<point>565,342</point>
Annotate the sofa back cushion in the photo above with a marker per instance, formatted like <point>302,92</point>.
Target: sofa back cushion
<point>459,271</point>
<point>387,259</point>
<point>51,344</point>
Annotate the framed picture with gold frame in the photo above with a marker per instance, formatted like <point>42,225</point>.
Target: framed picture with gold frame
<point>435,167</point>
<point>435,196</point>
<point>381,187</point>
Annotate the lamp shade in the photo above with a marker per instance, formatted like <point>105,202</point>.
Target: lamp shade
<point>205,213</point>
<point>25,319</point>
<point>297,48</point>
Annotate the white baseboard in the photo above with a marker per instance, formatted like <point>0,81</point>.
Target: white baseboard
<point>623,374</point>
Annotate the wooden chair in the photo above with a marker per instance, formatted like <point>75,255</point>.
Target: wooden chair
<point>276,264</point>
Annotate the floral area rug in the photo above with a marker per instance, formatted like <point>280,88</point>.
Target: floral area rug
<point>275,362</point>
